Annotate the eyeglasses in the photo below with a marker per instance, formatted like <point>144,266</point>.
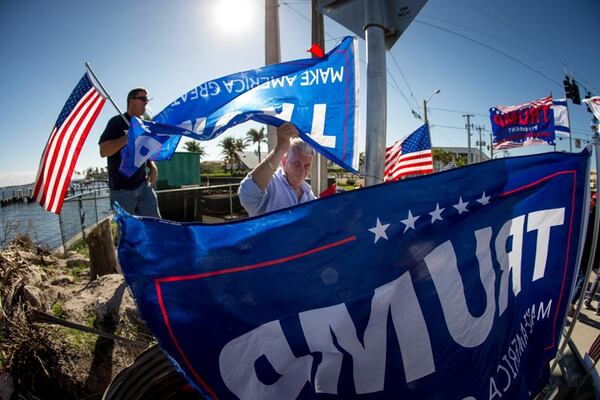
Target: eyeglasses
<point>143,98</point>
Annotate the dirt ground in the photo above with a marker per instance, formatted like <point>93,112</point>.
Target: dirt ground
<point>49,361</point>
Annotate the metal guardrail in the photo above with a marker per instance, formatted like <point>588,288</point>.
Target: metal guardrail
<point>84,210</point>
<point>200,194</point>
<point>81,212</point>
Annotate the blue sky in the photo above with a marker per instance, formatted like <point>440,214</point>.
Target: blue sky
<point>170,47</point>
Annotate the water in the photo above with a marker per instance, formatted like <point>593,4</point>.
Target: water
<point>43,227</point>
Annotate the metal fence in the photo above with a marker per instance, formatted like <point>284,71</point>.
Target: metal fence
<point>81,212</point>
<point>209,204</point>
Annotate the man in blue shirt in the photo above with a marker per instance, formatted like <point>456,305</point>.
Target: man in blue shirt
<point>134,193</point>
<point>269,187</point>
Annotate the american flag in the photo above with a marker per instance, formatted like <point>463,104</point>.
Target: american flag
<point>65,143</point>
<point>410,156</point>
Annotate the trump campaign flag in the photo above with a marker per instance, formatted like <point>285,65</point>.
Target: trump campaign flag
<point>64,145</point>
<point>409,156</point>
<point>318,95</point>
<point>452,285</point>
<point>594,105</point>
<point>524,124</point>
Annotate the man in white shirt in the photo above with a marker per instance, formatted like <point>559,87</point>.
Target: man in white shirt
<point>270,187</point>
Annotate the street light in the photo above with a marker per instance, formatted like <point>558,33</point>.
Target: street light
<point>425,105</point>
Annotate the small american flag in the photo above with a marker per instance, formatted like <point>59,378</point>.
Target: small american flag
<point>410,156</point>
<point>65,143</point>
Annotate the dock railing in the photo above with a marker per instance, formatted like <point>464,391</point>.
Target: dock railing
<point>209,204</point>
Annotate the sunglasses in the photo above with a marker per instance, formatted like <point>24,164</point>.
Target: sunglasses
<point>143,98</point>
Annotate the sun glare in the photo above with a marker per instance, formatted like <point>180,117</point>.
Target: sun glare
<point>234,16</point>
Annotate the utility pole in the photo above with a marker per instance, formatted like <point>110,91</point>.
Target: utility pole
<point>272,53</point>
<point>491,145</point>
<point>380,23</point>
<point>376,92</point>
<point>468,116</point>
<point>480,128</point>
<point>318,172</point>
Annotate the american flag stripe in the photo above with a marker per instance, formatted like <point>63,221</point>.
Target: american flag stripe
<point>545,101</point>
<point>67,145</point>
<point>392,152</point>
<point>411,156</point>
<point>64,145</point>
<point>56,146</point>
<point>76,141</point>
<point>594,351</point>
<point>409,171</point>
<point>411,164</point>
<point>56,152</point>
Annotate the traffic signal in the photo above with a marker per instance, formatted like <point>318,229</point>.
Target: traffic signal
<point>588,95</point>
<point>575,93</point>
<point>567,86</point>
<point>572,90</point>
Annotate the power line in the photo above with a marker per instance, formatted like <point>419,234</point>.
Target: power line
<point>495,38</point>
<point>363,62</point>
<point>512,28</point>
<point>405,80</point>
<point>456,111</point>
<point>493,49</point>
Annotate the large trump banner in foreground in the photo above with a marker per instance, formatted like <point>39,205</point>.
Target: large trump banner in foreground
<point>453,285</point>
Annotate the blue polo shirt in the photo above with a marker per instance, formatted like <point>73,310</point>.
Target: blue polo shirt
<point>278,194</point>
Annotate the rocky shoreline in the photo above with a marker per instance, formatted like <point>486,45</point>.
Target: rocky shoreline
<point>49,361</point>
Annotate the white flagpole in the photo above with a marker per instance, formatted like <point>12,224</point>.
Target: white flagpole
<point>570,135</point>
<point>591,260</point>
<point>89,68</point>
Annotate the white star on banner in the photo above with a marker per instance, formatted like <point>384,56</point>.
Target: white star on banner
<point>409,221</point>
<point>379,231</point>
<point>437,213</point>
<point>484,199</point>
<point>461,206</point>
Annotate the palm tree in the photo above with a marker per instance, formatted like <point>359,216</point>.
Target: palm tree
<point>229,148</point>
<point>193,146</point>
<point>256,136</point>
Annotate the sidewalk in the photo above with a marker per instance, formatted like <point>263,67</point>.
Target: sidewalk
<point>586,330</point>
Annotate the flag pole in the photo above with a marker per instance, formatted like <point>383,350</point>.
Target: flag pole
<point>570,135</point>
<point>89,68</point>
<point>591,261</point>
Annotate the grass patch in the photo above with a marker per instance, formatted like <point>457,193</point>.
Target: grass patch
<point>79,272</point>
<point>81,247</point>
<point>81,342</point>
<point>58,311</point>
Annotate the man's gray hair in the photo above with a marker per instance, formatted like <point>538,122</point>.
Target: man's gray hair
<point>298,146</point>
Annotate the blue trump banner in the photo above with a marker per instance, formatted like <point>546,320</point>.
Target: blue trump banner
<point>524,124</point>
<point>452,285</point>
<point>318,95</point>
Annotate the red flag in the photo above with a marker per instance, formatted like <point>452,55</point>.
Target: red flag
<point>316,50</point>
<point>329,191</point>
<point>64,145</point>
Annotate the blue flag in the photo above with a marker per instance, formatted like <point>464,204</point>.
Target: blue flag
<point>318,95</point>
<point>522,125</point>
<point>452,285</point>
